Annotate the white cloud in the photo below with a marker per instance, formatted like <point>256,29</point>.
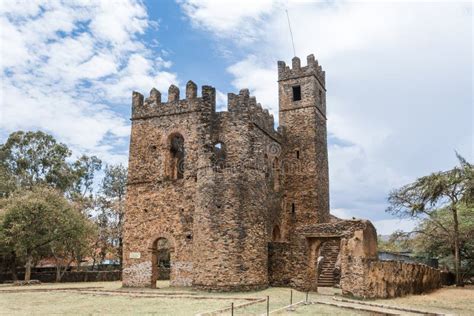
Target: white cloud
<point>230,18</point>
<point>261,81</point>
<point>399,80</point>
<point>69,67</point>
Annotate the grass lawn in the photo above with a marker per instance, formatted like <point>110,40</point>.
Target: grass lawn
<point>449,300</point>
<point>111,299</point>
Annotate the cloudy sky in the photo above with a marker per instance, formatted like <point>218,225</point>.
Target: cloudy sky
<point>399,76</point>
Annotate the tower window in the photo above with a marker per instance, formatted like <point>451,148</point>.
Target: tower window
<point>296,93</point>
<point>320,96</point>
<point>293,208</point>
<point>218,155</point>
<point>297,154</point>
<point>176,160</point>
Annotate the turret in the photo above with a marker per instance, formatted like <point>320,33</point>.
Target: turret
<point>302,111</point>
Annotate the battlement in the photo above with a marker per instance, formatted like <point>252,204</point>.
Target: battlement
<point>153,105</point>
<point>296,71</point>
<point>241,103</point>
<point>245,103</point>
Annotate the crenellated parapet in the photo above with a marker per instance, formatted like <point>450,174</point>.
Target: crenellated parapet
<point>245,103</point>
<point>312,68</point>
<point>153,106</point>
<point>242,103</point>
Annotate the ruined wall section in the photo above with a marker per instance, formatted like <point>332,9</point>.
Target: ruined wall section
<point>158,205</point>
<point>231,230</point>
<point>294,263</point>
<point>364,276</point>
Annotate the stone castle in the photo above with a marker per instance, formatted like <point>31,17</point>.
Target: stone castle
<point>227,202</point>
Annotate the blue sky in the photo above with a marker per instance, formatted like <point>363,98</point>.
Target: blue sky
<point>399,76</point>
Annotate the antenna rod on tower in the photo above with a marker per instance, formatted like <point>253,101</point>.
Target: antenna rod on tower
<point>291,33</point>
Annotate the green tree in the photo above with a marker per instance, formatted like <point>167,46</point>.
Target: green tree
<point>75,241</point>
<point>35,158</point>
<point>28,159</point>
<point>432,241</point>
<point>424,197</point>
<point>39,220</point>
<point>112,203</point>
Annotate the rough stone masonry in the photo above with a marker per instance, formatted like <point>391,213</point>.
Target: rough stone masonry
<point>230,203</point>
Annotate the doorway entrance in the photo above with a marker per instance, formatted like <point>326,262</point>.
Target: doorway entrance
<point>161,261</point>
<point>322,262</point>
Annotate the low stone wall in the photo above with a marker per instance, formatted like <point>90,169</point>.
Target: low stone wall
<point>69,276</point>
<point>386,279</point>
<point>396,278</point>
<point>364,276</point>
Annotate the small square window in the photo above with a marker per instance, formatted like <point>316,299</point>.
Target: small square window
<point>296,93</point>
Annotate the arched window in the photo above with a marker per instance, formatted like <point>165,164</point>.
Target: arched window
<point>218,155</point>
<point>276,235</point>
<point>176,154</point>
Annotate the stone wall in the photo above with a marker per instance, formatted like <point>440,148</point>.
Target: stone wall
<point>279,257</point>
<point>386,279</point>
<point>364,276</point>
<point>395,278</point>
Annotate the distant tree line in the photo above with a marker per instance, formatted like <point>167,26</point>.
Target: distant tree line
<point>443,204</point>
<point>52,206</point>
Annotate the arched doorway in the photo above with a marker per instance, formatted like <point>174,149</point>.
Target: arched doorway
<point>322,262</point>
<point>161,260</point>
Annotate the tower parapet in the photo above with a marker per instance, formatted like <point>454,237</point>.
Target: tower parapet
<point>245,103</point>
<point>312,68</point>
<point>153,106</point>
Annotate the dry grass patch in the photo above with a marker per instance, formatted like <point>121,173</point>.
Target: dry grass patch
<point>449,300</point>
<point>112,299</point>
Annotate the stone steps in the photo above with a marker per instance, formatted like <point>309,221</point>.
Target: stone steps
<point>330,251</point>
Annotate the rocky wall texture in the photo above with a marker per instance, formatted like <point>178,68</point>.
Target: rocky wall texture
<point>279,257</point>
<point>364,276</point>
<point>386,279</point>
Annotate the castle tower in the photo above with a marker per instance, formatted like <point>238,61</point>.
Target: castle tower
<point>230,240</point>
<point>302,112</point>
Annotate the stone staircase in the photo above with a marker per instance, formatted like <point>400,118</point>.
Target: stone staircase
<point>330,251</point>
